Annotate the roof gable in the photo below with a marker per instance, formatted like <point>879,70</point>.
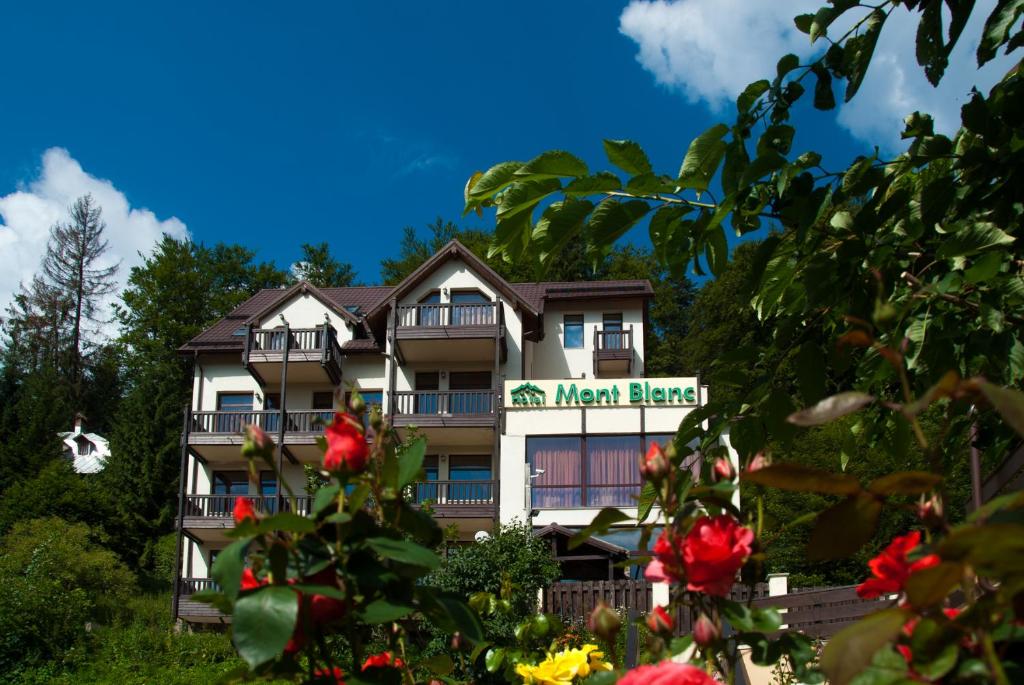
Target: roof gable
<point>303,288</point>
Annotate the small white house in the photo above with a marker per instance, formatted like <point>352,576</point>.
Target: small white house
<point>87,451</point>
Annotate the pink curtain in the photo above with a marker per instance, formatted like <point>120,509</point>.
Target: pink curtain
<point>559,459</point>
<point>613,470</point>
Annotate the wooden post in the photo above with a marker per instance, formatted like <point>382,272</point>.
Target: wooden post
<point>183,475</point>
<point>279,497</point>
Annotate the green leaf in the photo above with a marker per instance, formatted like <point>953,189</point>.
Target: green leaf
<point>703,157</point>
<point>852,648</point>
<point>831,408</point>
<point>325,497</point>
<point>410,462</point>
<point>799,478</point>
<point>648,495</point>
<point>974,238</point>
<point>810,374</point>
<point>929,586</point>
<point>263,622</point>
<point>997,28</point>
<point>820,23</point>
<point>494,658</point>
<point>323,590</point>
<point>383,611</point>
<point>587,185</point>
<point>525,195</point>
<point>785,65</point>
<point>844,528</point>
<point>405,552</point>
<point>288,522</point>
<point>858,52</point>
<point>751,94</point>
<point>905,483</point>
<point>553,164</point>
<point>628,156</point>
<point>929,45</point>
<point>494,179</point>
<point>605,519</point>
<point>985,267</point>
<point>228,566</point>
<point>560,224</point>
<point>824,98</point>
<point>777,137</point>
<point>762,166</point>
<point>440,664</point>
<point>716,250</point>
<point>1009,403</point>
<point>462,617</point>
<point>803,22</point>
<point>611,219</point>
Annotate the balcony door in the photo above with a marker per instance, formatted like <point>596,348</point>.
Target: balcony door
<point>272,402</point>
<point>427,490</point>
<point>471,392</point>
<point>471,308</point>
<point>427,399</point>
<point>429,311</point>
<point>470,476</point>
<point>227,485</point>
<point>235,407</point>
<point>614,339</point>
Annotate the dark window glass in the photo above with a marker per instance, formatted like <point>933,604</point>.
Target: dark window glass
<point>427,398</point>
<point>572,331</point>
<point>229,485</point>
<point>560,459</point>
<point>612,337</point>
<point>471,308</point>
<point>428,490</point>
<point>236,406</point>
<point>271,402</point>
<point>471,392</point>
<point>323,400</point>
<point>429,311</point>
<point>474,468</point>
<point>613,470</point>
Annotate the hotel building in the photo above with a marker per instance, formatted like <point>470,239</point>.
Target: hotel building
<point>532,397</point>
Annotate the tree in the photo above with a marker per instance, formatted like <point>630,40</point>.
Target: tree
<point>321,269</point>
<point>71,270</point>
<point>178,290</point>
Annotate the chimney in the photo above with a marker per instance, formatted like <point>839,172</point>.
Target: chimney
<point>79,423</point>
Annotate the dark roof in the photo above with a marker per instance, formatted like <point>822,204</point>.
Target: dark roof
<point>562,531</point>
<point>358,301</point>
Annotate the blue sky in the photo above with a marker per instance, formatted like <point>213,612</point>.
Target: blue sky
<point>273,124</point>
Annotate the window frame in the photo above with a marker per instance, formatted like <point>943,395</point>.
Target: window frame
<point>565,331</point>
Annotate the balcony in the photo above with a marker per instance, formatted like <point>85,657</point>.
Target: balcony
<point>195,611</point>
<point>218,435</point>
<point>455,498</point>
<point>433,332</point>
<point>314,355</point>
<point>437,412</point>
<point>206,517</point>
<point>613,353</point>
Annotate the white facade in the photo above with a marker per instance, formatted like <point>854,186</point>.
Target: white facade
<point>443,352</point>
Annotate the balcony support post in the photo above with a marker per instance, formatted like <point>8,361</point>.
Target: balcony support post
<point>496,404</point>
<point>392,371</point>
<point>182,476</point>
<point>278,498</point>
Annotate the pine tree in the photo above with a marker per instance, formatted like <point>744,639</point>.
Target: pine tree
<point>71,271</point>
<point>320,268</point>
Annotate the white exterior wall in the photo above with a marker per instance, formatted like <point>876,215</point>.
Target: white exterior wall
<point>452,275</point>
<point>306,311</point>
<point>550,359</point>
<point>223,374</point>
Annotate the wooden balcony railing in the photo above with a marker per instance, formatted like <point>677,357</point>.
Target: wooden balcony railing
<point>223,506</point>
<point>443,403</point>
<point>447,314</point>
<point>613,340</point>
<point>304,345</point>
<point>234,422</point>
<point>299,339</point>
<point>190,586</point>
<point>452,492</point>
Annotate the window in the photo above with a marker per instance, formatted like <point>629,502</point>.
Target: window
<point>325,400</point>
<point>428,490</point>
<point>613,470</point>
<point>228,484</point>
<point>476,394</point>
<point>268,489</point>
<point>427,397</point>
<point>612,337</point>
<point>84,447</point>
<point>471,308</point>
<point>692,462</point>
<point>237,407</point>
<point>372,398</point>
<point>472,468</point>
<point>555,471</point>
<point>272,402</point>
<point>429,311</point>
<point>572,331</point>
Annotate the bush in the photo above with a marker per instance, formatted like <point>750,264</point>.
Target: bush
<point>57,584</point>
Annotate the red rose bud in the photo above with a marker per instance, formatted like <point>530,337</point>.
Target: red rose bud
<point>257,443</point>
<point>705,631</point>
<point>243,510</point>
<point>655,466</point>
<point>604,622</point>
<point>383,660</point>
<point>930,511</point>
<point>346,445</point>
<point>660,622</point>
<point>757,463</point>
<point>335,675</point>
<point>723,470</point>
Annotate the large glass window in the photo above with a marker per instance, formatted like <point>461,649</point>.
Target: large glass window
<point>428,490</point>
<point>427,396</point>
<point>229,485</point>
<point>555,470</point>
<point>611,332</point>
<point>613,470</point>
<point>236,406</point>
<point>471,308</point>
<point>471,392</point>
<point>572,331</point>
<point>471,478</point>
<point>429,311</point>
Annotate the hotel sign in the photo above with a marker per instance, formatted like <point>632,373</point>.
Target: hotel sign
<point>624,392</point>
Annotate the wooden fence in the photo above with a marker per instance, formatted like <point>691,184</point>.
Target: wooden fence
<point>817,612</point>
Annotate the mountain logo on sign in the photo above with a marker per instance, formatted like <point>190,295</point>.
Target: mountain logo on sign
<point>527,395</point>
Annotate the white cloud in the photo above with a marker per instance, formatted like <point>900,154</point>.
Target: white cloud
<point>709,50</point>
<point>27,214</point>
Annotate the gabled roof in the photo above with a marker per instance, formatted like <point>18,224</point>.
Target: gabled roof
<point>456,250</point>
<point>562,531</point>
<point>304,287</point>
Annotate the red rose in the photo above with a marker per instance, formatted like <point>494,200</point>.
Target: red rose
<point>666,673</point>
<point>323,609</point>
<point>243,510</point>
<point>655,466</point>
<point>892,568</point>
<point>257,442</point>
<point>332,676</point>
<point>383,660</point>
<point>713,552</point>
<point>723,469</point>
<point>705,631</point>
<point>667,563</point>
<point>249,581</point>
<point>346,445</point>
<point>660,622</point>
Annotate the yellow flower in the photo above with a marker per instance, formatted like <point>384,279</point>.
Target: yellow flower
<point>562,668</point>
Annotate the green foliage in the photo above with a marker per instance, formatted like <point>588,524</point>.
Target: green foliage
<point>320,268</point>
<point>57,581</point>
<point>57,491</point>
